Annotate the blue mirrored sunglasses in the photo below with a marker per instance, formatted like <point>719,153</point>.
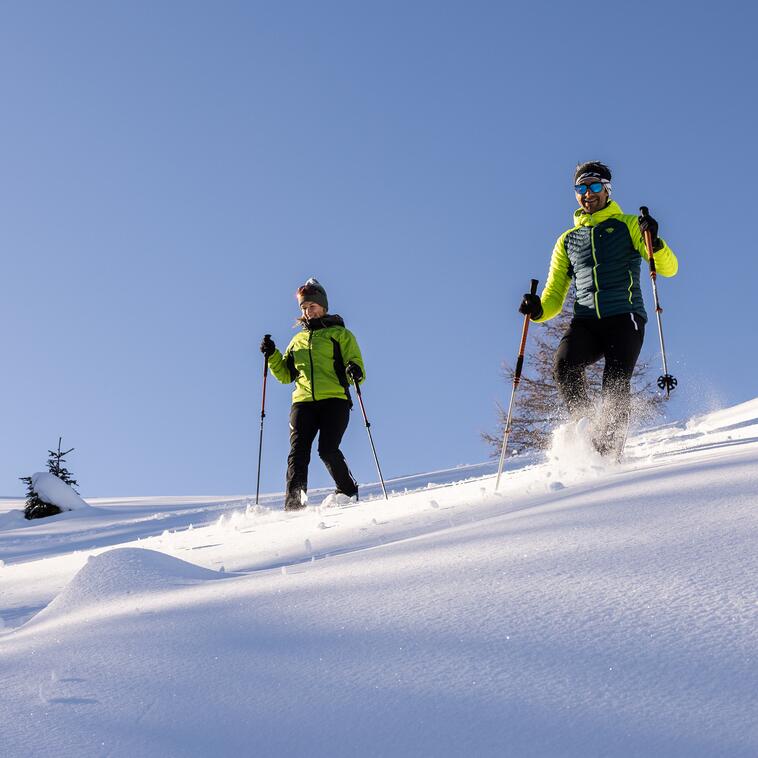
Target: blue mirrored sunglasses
<point>582,188</point>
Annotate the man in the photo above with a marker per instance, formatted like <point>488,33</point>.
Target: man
<point>602,253</point>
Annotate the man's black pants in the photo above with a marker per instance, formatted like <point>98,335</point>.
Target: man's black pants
<point>618,339</point>
<point>328,419</point>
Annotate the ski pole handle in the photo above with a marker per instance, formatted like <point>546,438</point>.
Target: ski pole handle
<point>360,402</point>
<point>522,346</point>
<point>265,376</point>
<point>644,212</point>
<point>265,357</point>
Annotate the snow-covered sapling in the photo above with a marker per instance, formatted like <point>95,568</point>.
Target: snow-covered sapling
<point>36,507</point>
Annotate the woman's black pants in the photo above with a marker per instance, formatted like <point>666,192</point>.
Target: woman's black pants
<point>328,419</point>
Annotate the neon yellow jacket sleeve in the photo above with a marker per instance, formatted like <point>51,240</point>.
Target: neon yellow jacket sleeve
<point>558,282</point>
<point>666,263</point>
<point>351,353</point>
<point>279,367</point>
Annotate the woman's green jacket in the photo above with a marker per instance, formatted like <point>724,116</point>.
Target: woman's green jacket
<point>315,360</point>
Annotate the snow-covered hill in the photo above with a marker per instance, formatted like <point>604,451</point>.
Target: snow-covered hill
<point>584,610</point>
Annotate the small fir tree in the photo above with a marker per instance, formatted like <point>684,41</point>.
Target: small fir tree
<point>35,506</point>
<point>539,408</point>
<point>55,465</point>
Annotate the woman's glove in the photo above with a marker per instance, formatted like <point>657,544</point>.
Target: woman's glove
<point>267,346</point>
<point>353,370</point>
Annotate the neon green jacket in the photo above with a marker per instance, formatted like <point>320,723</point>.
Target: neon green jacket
<point>601,253</point>
<point>315,360</point>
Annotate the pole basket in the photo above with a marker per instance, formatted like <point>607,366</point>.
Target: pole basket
<point>667,382</point>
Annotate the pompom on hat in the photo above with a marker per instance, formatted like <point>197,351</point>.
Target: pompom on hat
<point>312,292</point>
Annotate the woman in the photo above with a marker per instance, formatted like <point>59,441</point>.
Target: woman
<point>322,360</point>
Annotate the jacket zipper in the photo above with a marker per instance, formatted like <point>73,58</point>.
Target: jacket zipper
<point>594,271</point>
<point>310,355</point>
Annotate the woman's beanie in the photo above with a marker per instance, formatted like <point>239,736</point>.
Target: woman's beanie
<point>312,292</point>
<point>592,170</point>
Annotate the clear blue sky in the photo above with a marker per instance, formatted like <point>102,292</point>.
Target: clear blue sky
<point>171,171</point>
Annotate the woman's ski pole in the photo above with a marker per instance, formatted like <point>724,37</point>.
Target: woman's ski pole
<point>666,381</point>
<point>370,438</point>
<point>263,415</point>
<point>516,379</point>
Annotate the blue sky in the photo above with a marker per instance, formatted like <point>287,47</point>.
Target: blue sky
<point>172,171</point>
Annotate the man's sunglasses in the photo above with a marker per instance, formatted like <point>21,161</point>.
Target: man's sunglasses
<point>595,187</point>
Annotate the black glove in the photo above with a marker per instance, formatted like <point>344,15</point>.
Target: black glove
<point>354,372</point>
<point>531,306</point>
<point>649,224</point>
<point>267,346</point>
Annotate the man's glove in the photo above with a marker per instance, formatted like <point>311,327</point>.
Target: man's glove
<point>353,370</point>
<point>531,306</point>
<point>649,224</point>
<point>267,346</point>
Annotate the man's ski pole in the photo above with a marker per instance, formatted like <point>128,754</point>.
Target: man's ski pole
<point>370,438</point>
<point>666,381</point>
<point>516,380</point>
<point>263,415</point>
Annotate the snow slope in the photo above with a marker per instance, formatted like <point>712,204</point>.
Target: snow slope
<point>585,610</point>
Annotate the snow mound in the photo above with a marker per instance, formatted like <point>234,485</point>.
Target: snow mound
<point>121,573</point>
<point>55,491</point>
<point>12,520</point>
<point>737,416</point>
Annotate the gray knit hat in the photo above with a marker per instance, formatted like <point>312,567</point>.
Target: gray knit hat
<point>312,292</point>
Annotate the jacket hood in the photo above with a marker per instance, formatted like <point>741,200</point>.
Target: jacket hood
<point>582,218</point>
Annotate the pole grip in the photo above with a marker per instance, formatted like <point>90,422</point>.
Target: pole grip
<point>265,377</point>
<point>522,346</point>
<point>644,212</point>
<point>265,357</point>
